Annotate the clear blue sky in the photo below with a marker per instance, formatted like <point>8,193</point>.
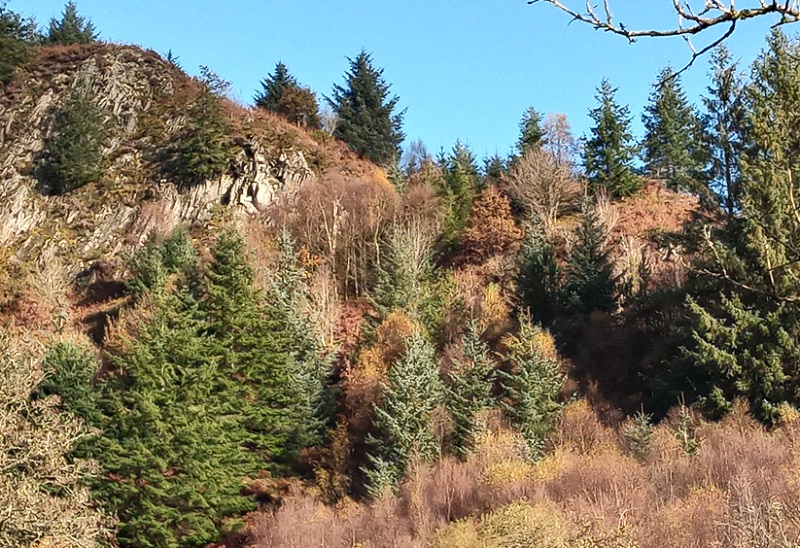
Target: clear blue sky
<point>463,69</point>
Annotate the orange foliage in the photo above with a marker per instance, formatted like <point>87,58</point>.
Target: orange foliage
<point>491,228</point>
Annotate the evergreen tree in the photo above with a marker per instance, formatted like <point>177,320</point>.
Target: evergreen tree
<point>725,123</point>
<point>673,145</point>
<point>540,279</point>
<point>71,29</point>
<point>589,281</point>
<point>367,121</point>
<point>532,385</point>
<point>457,188</point>
<point>16,38</point>
<point>170,450</point>
<point>608,153</point>
<point>403,417</point>
<point>73,155</point>
<point>157,261</point>
<point>204,150</point>
<point>531,134</point>
<point>280,93</point>
<point>744,309</point>
<point>469,390</point>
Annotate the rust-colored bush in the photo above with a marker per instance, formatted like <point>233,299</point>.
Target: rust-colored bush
<point>491,229</point>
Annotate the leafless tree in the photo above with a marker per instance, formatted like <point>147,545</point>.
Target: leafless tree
<point>559,140</point>
<point>693,17</point>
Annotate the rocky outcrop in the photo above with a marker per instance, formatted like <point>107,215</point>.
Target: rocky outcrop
<point>140,96</point>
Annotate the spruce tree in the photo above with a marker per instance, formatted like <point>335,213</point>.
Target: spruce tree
<point>469,390</point>
<point>457,188</point>
<point>403,417</point>
<point>673,147</point>
<point>540,279</point>
<point>590,283</point>
<point>532,385</point>
<point>608,153</point>
<point>73,154</point>
<point>280,93</point>
<point>274,87</point>
<point>531,133</point>
<point>17,35</point>
<point>725,122</point>
<point>204,149</point>
<point>71,29</point>
<point>744,312</point>
<point>367,121</point>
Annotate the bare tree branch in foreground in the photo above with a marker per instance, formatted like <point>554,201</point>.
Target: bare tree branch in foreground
<point>692,20</point>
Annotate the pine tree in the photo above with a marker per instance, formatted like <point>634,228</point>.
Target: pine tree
<point>157,261</point>
<point>540,279</point>
<point>403,418</point>
<point>367,121</point>
<point>725,124</point>
<point>744,312</point>
<point>469,390</point>
<point>204,150</point>
<point>590,283</point>
<point>71,29</point>
<point>273,88</point>
<point>531,385</point>
<point>16,38</point>
<point>531,134</point>
<point>673,144</point>
<point>608,153</point>
<point>457,188</point>
<point>73,155</point>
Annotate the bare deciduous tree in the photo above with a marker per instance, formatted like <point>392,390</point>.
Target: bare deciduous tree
<point>693,16</point>
<point>559,140</point>
<point>545,188</point>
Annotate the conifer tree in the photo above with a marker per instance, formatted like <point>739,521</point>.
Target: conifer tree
<point>531,133</point>
<point>540,279</point>
<point>73,155</point>
<point>204,150</point>
<point>531,385</point>
<point>403,418</point>
<point>71,29</point>
<point>609,152</point>
<point>17,35</point>
<point>589,281</point>
<point>457,188</point>
<point>673,144</point>
<point>155,262</point>
<point>744,309</point>
<point>469,390</point>
<point>170,450</point>
<point>280,93</point>
<point>367,121</point>
<point>725,122</point>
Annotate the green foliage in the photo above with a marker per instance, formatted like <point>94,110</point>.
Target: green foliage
<point>71,29</point>
<point>367,121</point>
<point>638,435</point>
<point>743,310</point>
<point>457,188</point>
<point>540,278</point>
<point>403,418</point>
<point>725,123</point>
<point>469,390</point>
<point>531,134</point>
<point>16,38</point>
<point>531,385</point>
<point>155,262</point>
<point>673,146</point>
<point>281,94</point>
<point>589,281</point>
<point>609,152</point>
<point>73,154</point>
<point>204,149</point>
<point>686,432</point>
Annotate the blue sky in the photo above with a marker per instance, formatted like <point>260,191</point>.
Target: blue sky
<point>463,69</point>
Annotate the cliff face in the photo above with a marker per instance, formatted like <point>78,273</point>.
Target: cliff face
<point>142,98</point>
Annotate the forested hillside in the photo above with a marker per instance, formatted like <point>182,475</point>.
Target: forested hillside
<point>277,326</point>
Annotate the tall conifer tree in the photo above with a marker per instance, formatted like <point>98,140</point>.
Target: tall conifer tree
<point>71,28</point>
<point>367,118</point>
<point>609,151</point>
<point>673,146</point>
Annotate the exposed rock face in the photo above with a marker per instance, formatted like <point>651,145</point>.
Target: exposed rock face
<point>140,96</point>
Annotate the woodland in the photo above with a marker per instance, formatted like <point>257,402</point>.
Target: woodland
<point>591,342</point>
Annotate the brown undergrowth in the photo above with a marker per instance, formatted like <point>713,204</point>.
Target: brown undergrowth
<point>741,487</point>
